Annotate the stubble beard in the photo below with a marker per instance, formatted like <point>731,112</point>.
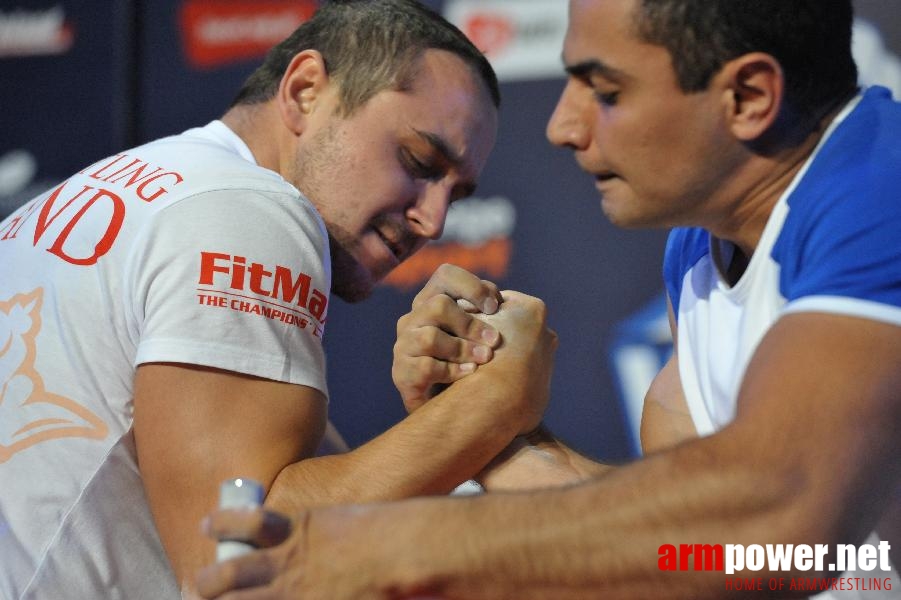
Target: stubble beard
<point>351,281</point>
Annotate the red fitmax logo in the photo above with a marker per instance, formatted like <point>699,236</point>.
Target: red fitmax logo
<point>278,282</point>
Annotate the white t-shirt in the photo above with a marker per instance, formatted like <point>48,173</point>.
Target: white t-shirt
<point>181,250</point>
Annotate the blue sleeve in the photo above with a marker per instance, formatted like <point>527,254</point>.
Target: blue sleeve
<point>842,236</point>
<point>684,248</point>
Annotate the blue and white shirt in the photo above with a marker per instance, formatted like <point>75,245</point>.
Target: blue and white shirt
<point>832,244</point>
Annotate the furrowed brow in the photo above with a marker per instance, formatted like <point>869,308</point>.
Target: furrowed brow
<point>465,188</point>
<point>441,146</point>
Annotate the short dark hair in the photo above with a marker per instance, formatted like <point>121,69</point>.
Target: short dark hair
<point>368,46</point>
<point>811,40</point>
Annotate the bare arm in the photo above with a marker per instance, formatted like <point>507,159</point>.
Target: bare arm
<point>665,418</point>
<point>436,341</point>
<point>810,458</point>
<point>195,427</point>
<point>449,439</point>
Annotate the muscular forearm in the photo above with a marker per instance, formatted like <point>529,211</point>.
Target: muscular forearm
<point>602,538</point>
<point>811,458</point>
<point>432,451</point>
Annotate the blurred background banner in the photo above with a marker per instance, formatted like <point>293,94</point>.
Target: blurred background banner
<point>83,80</point>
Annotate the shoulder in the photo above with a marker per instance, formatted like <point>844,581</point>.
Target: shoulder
<point>840,234</point>
<point>851,188</point>
<point>860,155</point>
<point>212,158</point>
<point>222,188</point>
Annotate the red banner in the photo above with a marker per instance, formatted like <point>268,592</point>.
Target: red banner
<point>220,33</point>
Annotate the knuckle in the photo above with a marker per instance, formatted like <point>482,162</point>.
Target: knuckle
<point>421,297</point>
<point>401,352</point>
<point>537,305</point>
<point>398,373</point>
<point>438,306</point>
<point>402,323</point>
<point>444,269</point>
<point>442,275</point>
<point>428,337</point>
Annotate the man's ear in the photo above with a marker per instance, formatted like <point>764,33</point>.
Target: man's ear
<point>754,88</point>
<point>300,89</point>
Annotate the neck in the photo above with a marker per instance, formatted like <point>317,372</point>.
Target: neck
<point>762,180</point>
<point>256,125</point>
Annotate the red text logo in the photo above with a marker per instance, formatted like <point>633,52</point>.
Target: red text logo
<point>277,282</point>
<point>97,208</point>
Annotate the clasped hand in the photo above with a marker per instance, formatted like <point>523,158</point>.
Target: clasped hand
<point>457,326</point>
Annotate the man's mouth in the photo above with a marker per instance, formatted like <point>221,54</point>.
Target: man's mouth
<point>394,245</point>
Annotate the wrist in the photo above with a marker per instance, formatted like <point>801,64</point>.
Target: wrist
<point>395,528</point>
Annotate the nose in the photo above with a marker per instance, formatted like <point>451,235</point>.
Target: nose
<point>429,212</point>
<point>569,125</point>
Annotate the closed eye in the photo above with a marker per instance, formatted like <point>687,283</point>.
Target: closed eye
<point>419,169</point>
